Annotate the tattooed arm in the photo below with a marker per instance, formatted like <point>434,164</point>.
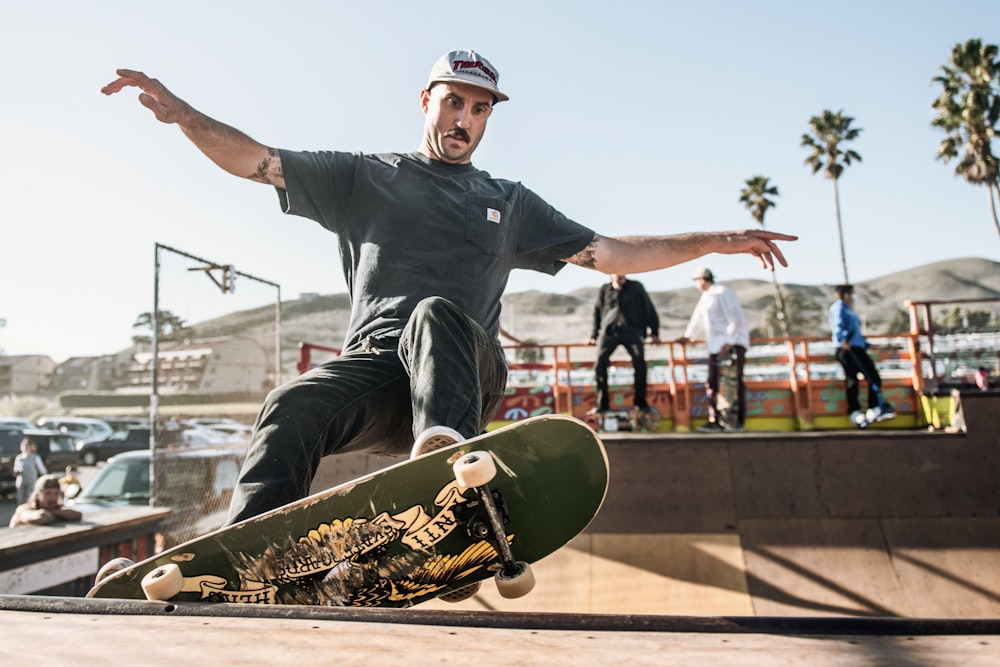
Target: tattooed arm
<point>224,145</point>
<point>636,254</point>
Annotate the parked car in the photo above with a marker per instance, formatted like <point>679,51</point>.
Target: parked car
<point>9,448</point>
<point>16,422</point>
<point>56,448</point>
<point>233,432</point>
<point>196,483</point>
<point>89,452</point>
<point>120,423</point>
<point>79,427</point>
<point>202,437</point>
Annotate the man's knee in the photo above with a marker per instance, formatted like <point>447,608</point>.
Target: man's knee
<point>279,395</point>
<point>434,307</point>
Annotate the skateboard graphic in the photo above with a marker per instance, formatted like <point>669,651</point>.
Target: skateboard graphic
<point>727,403</point>
<point>418,530</point>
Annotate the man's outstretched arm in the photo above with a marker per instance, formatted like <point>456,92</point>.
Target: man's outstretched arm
<point>637,254</point>
<point>226,146</point>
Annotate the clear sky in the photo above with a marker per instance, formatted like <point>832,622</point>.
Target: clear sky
<point>630,117</point>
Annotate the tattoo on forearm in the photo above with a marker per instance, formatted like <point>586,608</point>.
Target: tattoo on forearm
<point>269,169</point>
<point>587,257</point>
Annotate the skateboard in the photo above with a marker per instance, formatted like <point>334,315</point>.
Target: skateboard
<point>727,403</point>
<point>629,419</point>
<point>414,531</point>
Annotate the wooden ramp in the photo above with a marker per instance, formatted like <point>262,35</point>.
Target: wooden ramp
<point>850,523</point>
<point>107,632</point>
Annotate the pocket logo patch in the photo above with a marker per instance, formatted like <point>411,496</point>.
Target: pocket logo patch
<point>493,215</point>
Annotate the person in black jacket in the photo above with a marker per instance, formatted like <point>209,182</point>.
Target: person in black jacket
<point>622,316</point>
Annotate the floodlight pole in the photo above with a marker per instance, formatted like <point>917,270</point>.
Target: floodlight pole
<point>154,392</point>
<point>229,274</point>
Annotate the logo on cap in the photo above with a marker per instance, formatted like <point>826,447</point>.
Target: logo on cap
<point>475,67</point>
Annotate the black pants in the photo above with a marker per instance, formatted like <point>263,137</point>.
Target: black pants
<point>631,339</point>
<point>854,361</point>
<point>739,358</point>
<point>444,370</point>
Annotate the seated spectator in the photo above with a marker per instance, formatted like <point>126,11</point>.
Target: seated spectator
<point>44,505</point>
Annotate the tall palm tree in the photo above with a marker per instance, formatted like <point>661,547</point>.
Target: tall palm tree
<point>755,198</point>
<point>829,130</point>
<point>967,110</point>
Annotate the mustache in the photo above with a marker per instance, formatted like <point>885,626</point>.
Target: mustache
<point>458,133</point>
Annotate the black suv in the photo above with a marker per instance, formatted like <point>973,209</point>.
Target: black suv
<point>126,440</point>
<point>56,448</point>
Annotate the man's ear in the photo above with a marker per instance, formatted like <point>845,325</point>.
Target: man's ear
<point>425,99</point>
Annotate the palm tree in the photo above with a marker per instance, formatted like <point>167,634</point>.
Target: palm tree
<point>829,130</point>
<point>968,109</point>
<point>755,197</point>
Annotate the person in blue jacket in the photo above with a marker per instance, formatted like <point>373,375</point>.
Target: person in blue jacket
<point>852,353</point>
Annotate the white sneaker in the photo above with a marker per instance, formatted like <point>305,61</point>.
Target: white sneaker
<point>873,414</point>
<point>434,438</point>
<point>886,412</point>
<point>857,418</point>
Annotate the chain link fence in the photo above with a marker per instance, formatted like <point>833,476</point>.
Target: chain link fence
<point>213,354</point>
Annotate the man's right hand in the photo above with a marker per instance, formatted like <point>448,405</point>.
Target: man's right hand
<point>167,107</point>
<point>226,146</point>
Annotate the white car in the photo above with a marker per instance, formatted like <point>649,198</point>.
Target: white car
<point>196,484</point>
<point>16,422</point>
<point>81,428</point>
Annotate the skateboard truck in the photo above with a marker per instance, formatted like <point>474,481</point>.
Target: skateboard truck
<point>476,470</point>
<point>474,517</point>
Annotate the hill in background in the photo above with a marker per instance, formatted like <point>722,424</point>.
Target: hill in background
<point>549,317</point>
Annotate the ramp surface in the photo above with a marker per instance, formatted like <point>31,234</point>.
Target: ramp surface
<point>155,634</point>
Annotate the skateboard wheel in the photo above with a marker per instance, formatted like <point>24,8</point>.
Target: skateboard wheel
<point>163,583</point>
<point>475,469</point>
<point>515,584</point>
<point>112,566</point>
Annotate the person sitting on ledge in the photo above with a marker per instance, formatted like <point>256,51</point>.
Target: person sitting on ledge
<point>44,506</point>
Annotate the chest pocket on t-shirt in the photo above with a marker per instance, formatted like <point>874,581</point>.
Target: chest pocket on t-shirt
<point>488,224</point>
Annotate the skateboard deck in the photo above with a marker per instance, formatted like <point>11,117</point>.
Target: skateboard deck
<point>727,402</point>
<point>400,536</point>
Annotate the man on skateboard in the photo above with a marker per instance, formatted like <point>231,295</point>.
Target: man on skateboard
<point>427,242</point>
<point>852,353</point>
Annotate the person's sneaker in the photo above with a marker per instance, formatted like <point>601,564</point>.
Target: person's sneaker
<point>710,427</point>
<point>434,438</point>
<point>874,414</point>
<point>885,412</point>
<point>857,418</point>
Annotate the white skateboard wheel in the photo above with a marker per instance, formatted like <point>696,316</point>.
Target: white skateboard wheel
<point>475,469</point>
<point>112,566</point>
<point>163,583</point>
<point>517,584</point>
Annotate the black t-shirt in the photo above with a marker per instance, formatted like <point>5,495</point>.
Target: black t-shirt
<point>410,227</point>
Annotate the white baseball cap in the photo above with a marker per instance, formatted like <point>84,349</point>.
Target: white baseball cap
<point>467,67</point>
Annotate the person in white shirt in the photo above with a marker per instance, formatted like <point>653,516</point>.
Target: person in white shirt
<point>718,319</point>
<point>28,467</point>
